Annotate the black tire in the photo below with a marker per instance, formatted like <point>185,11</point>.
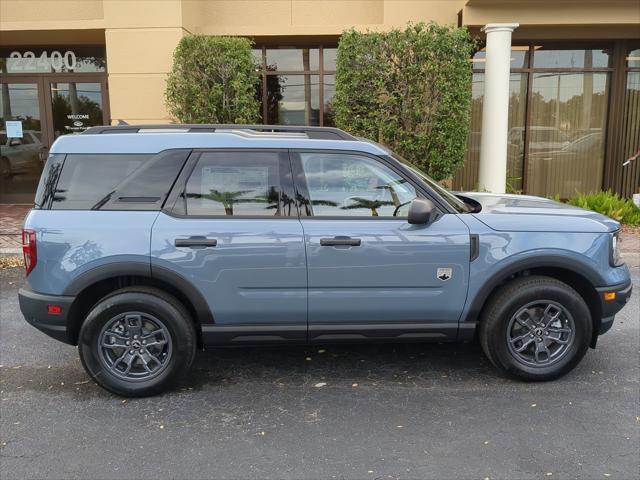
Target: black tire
<point>127,305</point>
<point>499,321</point>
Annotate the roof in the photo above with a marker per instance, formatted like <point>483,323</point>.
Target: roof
<point>157,142</point>
<point>156,138</point>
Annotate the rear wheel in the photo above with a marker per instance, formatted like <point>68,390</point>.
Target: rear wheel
<point>536,328</point>
<point>137,341</point>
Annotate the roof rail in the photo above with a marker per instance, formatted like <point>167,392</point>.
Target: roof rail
<point>318,133</point>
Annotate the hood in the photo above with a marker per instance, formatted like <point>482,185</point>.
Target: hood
<point>526,213</point>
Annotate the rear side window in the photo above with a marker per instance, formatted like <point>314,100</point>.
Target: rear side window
<point>117,181</point>
<point>240,183</point>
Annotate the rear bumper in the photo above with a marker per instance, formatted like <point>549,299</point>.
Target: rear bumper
<point>611,307</point>
<point>35,308</point>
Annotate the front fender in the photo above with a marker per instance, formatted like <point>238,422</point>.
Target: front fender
<point>505,254</point>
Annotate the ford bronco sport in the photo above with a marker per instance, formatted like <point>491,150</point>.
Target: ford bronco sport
<point>146,243</point>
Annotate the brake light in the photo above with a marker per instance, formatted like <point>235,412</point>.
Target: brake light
<point>29,249</point>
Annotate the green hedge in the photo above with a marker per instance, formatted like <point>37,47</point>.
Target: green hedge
<point>409,89</point>
<point>213,80</point>
<point>610,204</point>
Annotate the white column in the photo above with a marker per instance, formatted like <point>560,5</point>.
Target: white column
<point>495,113</point>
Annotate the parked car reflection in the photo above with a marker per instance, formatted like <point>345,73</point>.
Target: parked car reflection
<point>20,156</point>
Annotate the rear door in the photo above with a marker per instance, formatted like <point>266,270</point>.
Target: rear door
<point>231,229</point>
<point>371,274</point>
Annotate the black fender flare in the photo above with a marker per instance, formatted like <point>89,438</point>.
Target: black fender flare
<point>144,270</point>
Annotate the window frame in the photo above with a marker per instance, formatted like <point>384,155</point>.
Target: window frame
<point>175,205</point>
<point>302,191</point>
<point>321,71</point>
<point>529,70</point>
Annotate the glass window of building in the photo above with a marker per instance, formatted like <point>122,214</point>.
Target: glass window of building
<point>558,108</point>
<point>297,84</point>
<point>630,144</point>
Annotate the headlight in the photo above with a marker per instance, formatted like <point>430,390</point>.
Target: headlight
<point>616,259</point>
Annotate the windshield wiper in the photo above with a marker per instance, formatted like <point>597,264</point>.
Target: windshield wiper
<point>100,203</point>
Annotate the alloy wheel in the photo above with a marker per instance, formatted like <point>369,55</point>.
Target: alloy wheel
<point>135,346</point>
<point>540,333</point>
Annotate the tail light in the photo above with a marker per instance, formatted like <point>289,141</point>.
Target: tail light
<point>29,249</point>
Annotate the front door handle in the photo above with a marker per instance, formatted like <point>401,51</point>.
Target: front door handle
<point>195,242</point>
<point>340,242</point>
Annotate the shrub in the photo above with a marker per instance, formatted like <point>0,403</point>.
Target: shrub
<point>409,89</point>
<point>213,80</point>
<point>609,204</point>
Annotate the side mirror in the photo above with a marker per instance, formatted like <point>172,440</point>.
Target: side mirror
<point>14,142</point>
<point>422,212</point>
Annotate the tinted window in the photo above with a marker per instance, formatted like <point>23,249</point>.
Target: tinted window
<point>354,185</point>
<point>48,181</point>
<point>559,57</point>
<point>237,183</point>
<point>117,181</point>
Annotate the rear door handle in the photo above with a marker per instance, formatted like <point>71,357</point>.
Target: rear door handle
<point>195,242</point>
<point>340,241</point>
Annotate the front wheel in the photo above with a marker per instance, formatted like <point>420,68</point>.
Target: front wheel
<point>536,328</point>
<point>137,341</point>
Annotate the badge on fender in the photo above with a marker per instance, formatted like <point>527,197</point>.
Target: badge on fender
<point>444,274</point>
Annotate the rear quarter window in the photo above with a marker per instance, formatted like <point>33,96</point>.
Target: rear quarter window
<point>116,181</point>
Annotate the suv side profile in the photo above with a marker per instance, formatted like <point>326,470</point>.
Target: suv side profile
<point>146,243</point>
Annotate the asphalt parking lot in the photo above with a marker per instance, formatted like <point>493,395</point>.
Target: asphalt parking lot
<point>366,412</point>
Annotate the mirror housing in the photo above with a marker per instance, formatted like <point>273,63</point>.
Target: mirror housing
<point>422,212</point>
<point>14,142</point>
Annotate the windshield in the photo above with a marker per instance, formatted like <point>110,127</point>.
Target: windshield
<point>451,199</point>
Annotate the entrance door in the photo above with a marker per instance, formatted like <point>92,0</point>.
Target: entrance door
<point>47,106</point>
<point>75,104</point>
<point>21,155</point>
<point>370,273</point>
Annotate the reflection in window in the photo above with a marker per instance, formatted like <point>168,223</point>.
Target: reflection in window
<point>545,57</point>
<point>467,177</point>
<point>329,92</point>
<point>631,132</point>
<point>235,184</point>
<point>519,58</point>
<point>633,58</point>
<point>351,185</point>
<point>329,58</point>
<point>76,107</point>
<point>87,180</point>
<point>293,99</point>
<point>20,164</point>
<point>293,59</point>
<point>566,144</point>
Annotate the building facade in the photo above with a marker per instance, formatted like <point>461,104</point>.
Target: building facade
<point>574,117</point>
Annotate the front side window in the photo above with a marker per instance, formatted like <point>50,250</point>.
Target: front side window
<point>348,185</point>
<point>237,184</point>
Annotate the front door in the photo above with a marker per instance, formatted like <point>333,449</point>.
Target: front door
<point>371,274</point>
<point>234,234</point>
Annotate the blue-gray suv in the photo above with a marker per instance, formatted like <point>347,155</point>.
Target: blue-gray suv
<point>146,243</point>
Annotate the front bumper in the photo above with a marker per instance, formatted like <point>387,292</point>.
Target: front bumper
<point>35,308</point>
<point>611,307</point>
